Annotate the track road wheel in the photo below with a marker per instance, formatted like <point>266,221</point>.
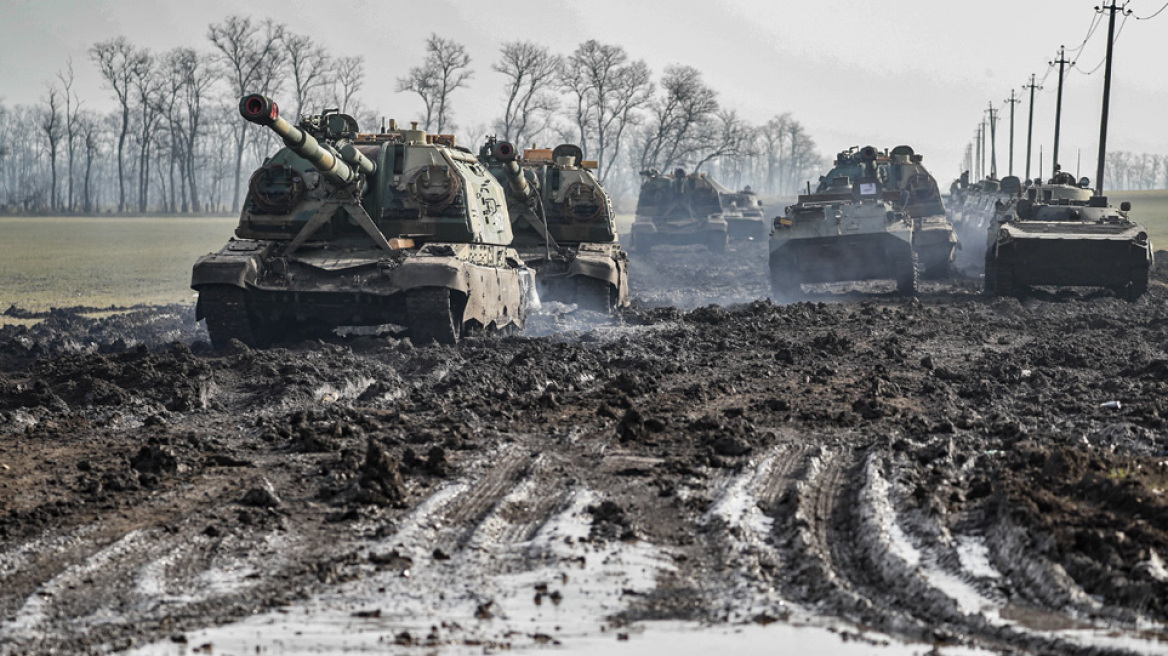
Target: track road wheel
<point>908,281</point>
<point>225,309</point>
<point>432,317</point>
<point>594,295</point>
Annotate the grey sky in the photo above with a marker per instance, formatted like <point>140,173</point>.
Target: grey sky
<point>854,72</point>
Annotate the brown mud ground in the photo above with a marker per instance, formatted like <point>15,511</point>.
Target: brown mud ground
<point>951,470</point>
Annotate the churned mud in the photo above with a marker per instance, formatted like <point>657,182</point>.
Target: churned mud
<point>953,472</point>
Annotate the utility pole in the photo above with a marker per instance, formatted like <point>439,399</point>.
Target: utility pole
<point>983,148</point>
<point>993,142</point>
<point>1112,8</point>
<point>1030,126</point>
<point>1058,111</point>
<point>1013,101</point>
<point>977,154</point>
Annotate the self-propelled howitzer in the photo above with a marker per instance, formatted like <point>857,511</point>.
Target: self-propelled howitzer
<point>342,228</point>
<point>564,224</point>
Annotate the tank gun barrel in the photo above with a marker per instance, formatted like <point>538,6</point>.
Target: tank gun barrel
<point>342,168</point>
<point>506,153</point>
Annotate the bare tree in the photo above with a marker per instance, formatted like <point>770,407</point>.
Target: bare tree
<point>725,137</point>
<point>772,137</point>
<point>89,128</point>
<point>348,78</point>
<point>251,54</point>
<point>50,123</point>
<point>119,63</point>
<point>608,91</point>
<point>530,69</point>
<point>445,70</point>
<point>674,135</point>
<point>147,87</point>
<point>72,107</point>
<point>310,65</point>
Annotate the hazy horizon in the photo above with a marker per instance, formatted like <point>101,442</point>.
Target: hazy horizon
<point>855,73</point>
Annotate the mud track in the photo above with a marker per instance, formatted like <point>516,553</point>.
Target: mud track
<point>951,471</point>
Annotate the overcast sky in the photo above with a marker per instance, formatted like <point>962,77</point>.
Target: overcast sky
<point>920,72</point>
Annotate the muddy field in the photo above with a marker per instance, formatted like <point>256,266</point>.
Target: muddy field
<point>952,472</point>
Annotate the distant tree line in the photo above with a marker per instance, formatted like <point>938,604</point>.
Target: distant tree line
<point>175,143</point>
<point>1136,171</point>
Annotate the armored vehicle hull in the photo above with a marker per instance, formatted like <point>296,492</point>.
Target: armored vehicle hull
<point>1033,253</point>
<point>252,292</point>
<point>564,224</point>
<point>1071,243</point>
<point>875,215</point>
<point>347,229</point>
<point>680,209</point>
<point>837,238</point>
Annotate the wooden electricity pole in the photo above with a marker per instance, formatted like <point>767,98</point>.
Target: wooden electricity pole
<point>1030,125</point>
<point>1058,108</point>
<point>1013,101</point>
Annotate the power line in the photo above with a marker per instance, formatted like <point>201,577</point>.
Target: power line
<point>1115,40</point>
<point>1095,22</point>
<point>1153,15</point>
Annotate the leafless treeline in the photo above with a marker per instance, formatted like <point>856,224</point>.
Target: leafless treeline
<point>1136,171</point>
<point>175,142</point>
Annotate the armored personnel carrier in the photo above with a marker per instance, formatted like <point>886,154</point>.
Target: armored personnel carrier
<point>341,228</point>
<point>875,215</point>
<point>1060,234</point>
<point>849,229</point>
<point>744,214</point>
<point>679,209</point>
<point>563,222</point>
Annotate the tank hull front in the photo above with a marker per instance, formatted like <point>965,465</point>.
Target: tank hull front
<point>1067,255</point>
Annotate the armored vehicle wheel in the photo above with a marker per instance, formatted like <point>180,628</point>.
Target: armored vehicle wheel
<point>592,294</point>
<point>225,309</point>
<point>432,316</point>
<point>910,277</point>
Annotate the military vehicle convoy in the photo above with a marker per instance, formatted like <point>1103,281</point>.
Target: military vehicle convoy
<point>971,210</point>
<point>1060,234</point>
<point>342,228</point>
<point>564,224</point>
<point>875,215</point>
<point>679,209</point>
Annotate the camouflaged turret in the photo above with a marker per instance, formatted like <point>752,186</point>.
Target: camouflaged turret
<point>344,228</point>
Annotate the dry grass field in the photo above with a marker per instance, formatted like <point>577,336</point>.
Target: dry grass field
<point>48,262</point>
<point>1149,208</point>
